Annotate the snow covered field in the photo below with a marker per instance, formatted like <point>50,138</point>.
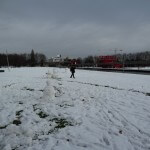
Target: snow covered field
<point>43,109</point>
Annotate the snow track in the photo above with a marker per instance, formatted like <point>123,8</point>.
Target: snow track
<point>44,110</point>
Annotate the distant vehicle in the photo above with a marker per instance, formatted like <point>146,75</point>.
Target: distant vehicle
<point>109,62</point>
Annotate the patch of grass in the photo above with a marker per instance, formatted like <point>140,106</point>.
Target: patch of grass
<point>20,102</point>
<point>60,123</point>
<point>65,105</point>
<point>28,89</point>
<point>42,114</point>
<point>147,94</point>
<point>35,108</point>
<point>18,113</point>
<point>3,127</point>
<point>41,90</point>
<point>51,131</point>
<point>17,122</point>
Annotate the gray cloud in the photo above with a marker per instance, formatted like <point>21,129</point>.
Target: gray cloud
<point>74,28</point>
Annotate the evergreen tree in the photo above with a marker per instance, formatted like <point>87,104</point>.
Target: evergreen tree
<point>32,60</point>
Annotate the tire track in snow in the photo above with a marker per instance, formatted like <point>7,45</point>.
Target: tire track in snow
<point>116,88</point>
<point>112,118</point>
<point>115,118</point>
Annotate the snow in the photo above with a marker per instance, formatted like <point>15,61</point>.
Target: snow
<point>43,109</point>
<point>139,68</point>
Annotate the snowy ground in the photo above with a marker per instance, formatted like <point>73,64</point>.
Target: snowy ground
<point>139,68</point>
<point>43,109</point>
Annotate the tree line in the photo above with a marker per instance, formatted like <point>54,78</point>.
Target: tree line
<point>39,59</point>
<point>18,60</point>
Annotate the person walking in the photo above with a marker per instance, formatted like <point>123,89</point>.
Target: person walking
<point>72,70</point>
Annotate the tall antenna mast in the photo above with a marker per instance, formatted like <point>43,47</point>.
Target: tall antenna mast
<point>7,60</point>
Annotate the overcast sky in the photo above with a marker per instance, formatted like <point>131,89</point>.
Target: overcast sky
<point>74,27</point>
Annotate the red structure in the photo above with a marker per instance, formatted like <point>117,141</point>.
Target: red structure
<point>109,62</point>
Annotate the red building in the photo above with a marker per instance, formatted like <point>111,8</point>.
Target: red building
<point>109,62</point>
